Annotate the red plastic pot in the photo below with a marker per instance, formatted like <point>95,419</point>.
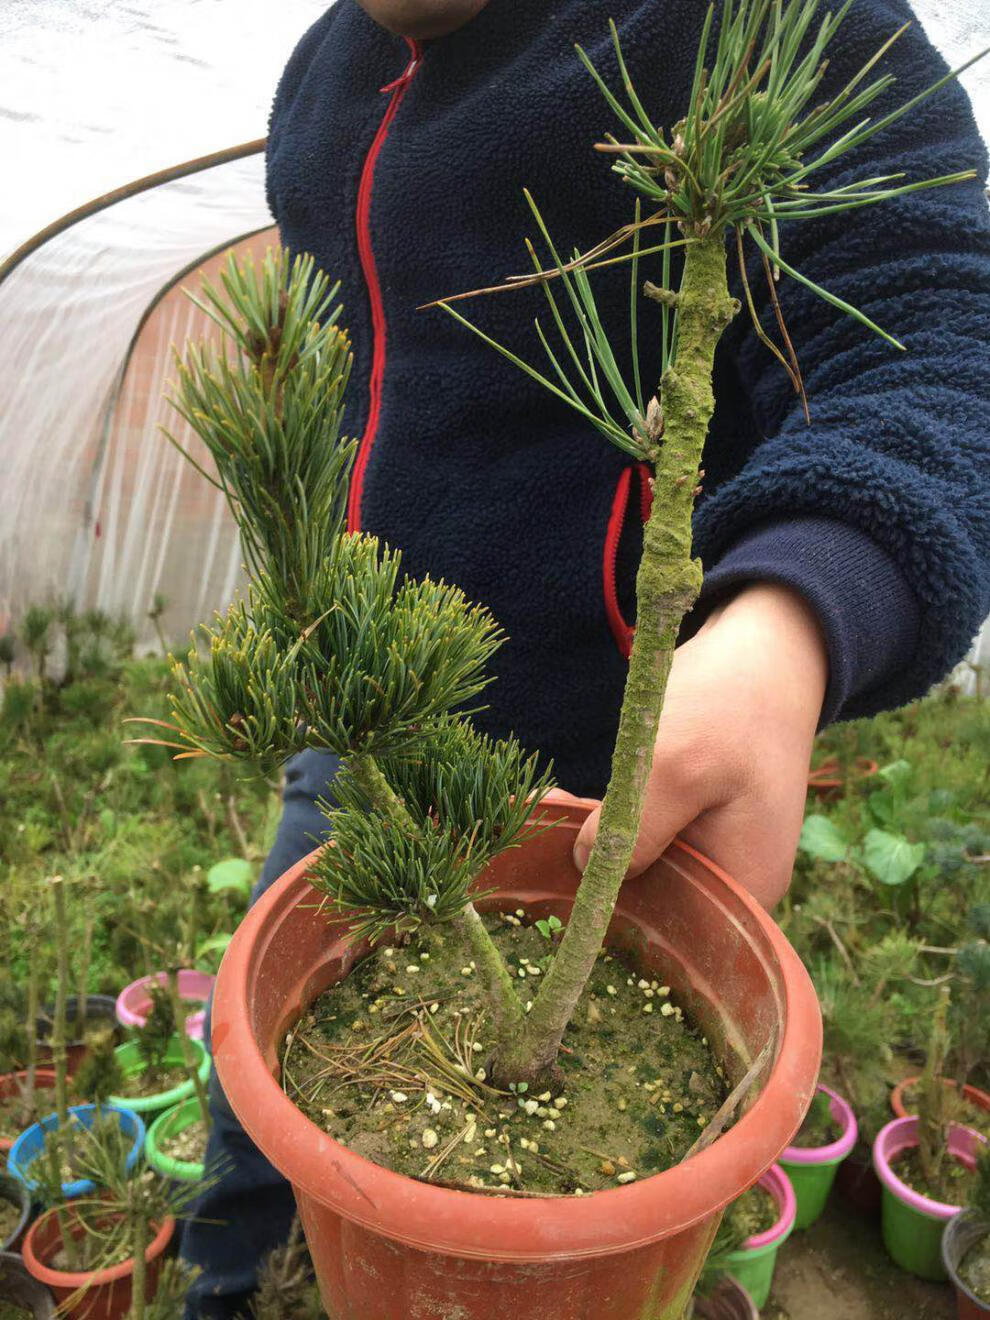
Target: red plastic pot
<point>108,1292</point>
<point>387,1247</point>
<point>826,779</point>
<point>44,1080</point>
<point>979,1099</point>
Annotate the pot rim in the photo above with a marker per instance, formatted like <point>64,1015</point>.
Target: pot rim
<point>901,1134</point>
<point>79,1278</point>
<point>834,1151</point>
<point>193,984</point>
<point>439,1219</point>
<point>979,1099</point>
<point>962,1220</point>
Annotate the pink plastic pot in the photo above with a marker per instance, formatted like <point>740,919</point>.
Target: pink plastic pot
<point>134,1003</point>
<point>912,1223</point>
<point>753,1264</point>
<point>812,1169</point>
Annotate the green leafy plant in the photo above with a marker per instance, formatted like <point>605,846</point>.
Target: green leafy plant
<point>331,648</point>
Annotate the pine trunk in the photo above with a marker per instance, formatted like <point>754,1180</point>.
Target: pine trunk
<point>667,585</point>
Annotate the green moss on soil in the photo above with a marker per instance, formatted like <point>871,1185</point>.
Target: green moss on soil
<point>8,1311</point>
<point>640,1083</point>
<point>975,1269</point>
<point>752,1213</point>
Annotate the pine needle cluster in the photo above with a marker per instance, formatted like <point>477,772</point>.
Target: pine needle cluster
<point>332,647</point>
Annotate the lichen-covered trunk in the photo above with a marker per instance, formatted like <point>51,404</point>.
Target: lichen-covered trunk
<point>667,585</point>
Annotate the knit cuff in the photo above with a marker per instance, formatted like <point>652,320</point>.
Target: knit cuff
<point>866,608</point>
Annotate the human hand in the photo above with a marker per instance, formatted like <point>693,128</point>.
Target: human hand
<point>730,769</point>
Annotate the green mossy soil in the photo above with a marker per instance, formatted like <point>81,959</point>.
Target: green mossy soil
<point>752,1213</point>
<point>8,1311</point>
<point>953,1183</point>
<point>375,1063</point>
<point>975,1269</point>
<point>10,1217</point>
<point>819,1128</point>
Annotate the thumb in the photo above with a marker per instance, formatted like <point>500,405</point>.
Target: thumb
<point>663,818</point>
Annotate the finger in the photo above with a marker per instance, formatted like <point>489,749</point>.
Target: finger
<point>665,814</point>
<point>754,842</point>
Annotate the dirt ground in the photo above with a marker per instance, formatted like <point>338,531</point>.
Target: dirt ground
<point>838,1270</point>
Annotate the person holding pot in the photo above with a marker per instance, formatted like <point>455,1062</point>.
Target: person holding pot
<point>847,561</point>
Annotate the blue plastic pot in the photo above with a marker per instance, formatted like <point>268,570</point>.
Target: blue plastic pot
<point>31,1142</point>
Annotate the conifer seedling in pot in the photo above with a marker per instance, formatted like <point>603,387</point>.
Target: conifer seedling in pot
<point>332,648</point>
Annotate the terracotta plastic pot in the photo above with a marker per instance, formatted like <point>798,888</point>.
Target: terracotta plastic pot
<point>44,1080</point>
<point>979,1099</point>
<point>31,1142</point>
<point>99,1012</point>
<point>108,1292</point>
<point>753,1264</point>
<point>13,1192</point>
<point>19,1289</point>
<point>963,1232</point>
<point>812,1169</point>
<point>387,1247</point>
<point>729,1301</point>
<point>913,1224</point>
<point>134,1003</point>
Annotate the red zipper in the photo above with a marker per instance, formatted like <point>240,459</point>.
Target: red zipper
<point>621,631</point>
<point>396,91</point>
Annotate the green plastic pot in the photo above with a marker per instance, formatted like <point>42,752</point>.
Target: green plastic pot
<point>167,1125</point>
<point>129,1058</point>
<point>753,1264</point>
<point>812,1169</point>
<point>913,1224</point>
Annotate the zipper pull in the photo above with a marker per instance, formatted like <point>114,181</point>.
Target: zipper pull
<point>415,55</point>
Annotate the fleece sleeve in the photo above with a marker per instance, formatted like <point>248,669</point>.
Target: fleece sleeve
<point>879,510</point>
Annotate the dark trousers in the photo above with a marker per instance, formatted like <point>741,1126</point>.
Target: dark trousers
<point>249,1210</point>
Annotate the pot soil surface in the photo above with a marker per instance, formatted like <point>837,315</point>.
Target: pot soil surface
<point>10,1217</point>
<point>975,1269</point>
<point>15,1115</point>
<point>152,1081</point>
<point>8,1311</point>
<point>819,1128</point>
<point>951,1185</point>
<point>392,1063</point>
<point>189,1145</point>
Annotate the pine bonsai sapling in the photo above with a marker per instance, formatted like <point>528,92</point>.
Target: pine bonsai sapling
<point>331,650</point>
<point>735,170</point>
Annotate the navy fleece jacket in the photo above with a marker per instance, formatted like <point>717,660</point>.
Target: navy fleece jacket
<point>401,170</point>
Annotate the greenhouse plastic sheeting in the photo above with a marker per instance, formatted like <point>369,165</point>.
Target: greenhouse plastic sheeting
<point>95,505</point>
